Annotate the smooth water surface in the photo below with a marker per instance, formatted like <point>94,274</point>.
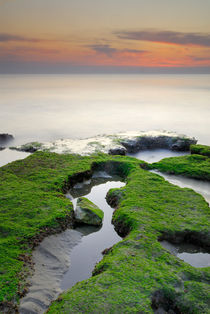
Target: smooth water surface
<point>48,107</point>
<point>154,155</point>
<point>8,155</point>
<point>191,254</point>
<point>88,252</point>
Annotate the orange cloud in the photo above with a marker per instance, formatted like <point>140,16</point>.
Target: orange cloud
<point>108,53</point>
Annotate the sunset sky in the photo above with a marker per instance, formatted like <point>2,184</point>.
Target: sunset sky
<point>64,35</point>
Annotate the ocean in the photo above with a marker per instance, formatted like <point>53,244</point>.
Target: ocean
<point>49,107</point>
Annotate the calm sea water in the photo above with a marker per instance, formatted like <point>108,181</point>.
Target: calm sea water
<point>48,107</point>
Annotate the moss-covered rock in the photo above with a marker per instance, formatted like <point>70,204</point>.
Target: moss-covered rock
<point>192,166</point>
<point>88,213</point>
<point>137,275</point>
<point>28,147</point>
<point>200,150</point>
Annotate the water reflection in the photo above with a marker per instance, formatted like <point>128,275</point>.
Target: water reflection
<point>154,155</point>
<point>88,252</point>
<point>191,254</point>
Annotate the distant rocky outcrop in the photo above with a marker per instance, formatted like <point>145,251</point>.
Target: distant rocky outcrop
<point>117,144</point>
<point>177,143</point>
<point>5,138</point>
<point>88,213</point>
<point>31,147</point>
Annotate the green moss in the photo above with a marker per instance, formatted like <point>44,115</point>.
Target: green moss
<point>200,150</point>
<point>192,166</point>
<point>95,213</point>
<point>138,266</point>
<point>135,268</point>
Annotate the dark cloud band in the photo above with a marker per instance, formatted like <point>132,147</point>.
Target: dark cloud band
<point>10,37</point>
<point>169,37</point>
<point>109,51</point>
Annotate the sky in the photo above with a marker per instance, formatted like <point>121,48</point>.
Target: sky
<point>95,35</point>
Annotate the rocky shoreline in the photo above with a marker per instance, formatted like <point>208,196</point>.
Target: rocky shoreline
<point>141,208</point>
<point>119,144</point>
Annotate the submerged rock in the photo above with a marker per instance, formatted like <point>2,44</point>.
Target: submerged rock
<point>88,213</point>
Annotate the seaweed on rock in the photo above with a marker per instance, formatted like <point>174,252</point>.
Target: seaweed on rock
<point>128,277</point>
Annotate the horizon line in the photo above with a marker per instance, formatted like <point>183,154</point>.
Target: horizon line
<point>58,69</point>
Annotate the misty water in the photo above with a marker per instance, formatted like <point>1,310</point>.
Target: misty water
<point>49,107</point>
<point>7,155</point>
<point>154,155</point>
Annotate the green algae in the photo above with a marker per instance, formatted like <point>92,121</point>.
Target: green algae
<point>196,165</point>
<point>192,166</point>
<point>128,277</point>
<point>200,150</point>
<point>92,214</point>
<point>137,268</point>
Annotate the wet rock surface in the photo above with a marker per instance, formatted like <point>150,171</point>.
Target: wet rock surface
<point>158,141</point>
<point>118,144</point>
<point>5,138</point>
<point>88,213</point>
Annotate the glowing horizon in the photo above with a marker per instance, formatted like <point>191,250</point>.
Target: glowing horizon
<point>116,33</point>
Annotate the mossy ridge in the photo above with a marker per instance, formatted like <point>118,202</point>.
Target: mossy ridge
<point>137,268</point>
<point>33,206</point>
<point>200,150</point>
<point>193,166</point>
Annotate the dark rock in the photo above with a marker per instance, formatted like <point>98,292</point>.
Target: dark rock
<point>5,138</point>
<point>162,304</point>
<point>29,147</point>
<point>162,141</point>
<point>187,236</point>
<point>118,151</point>
<point>106,251</point>
<point>2,148</point>
<point>183,145</point>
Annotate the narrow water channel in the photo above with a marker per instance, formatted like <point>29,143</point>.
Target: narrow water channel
<point>188,252</point>
<point>62,260</point>
<point>88,252</point>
